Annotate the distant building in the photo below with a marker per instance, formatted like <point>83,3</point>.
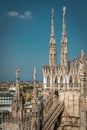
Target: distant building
<point>5,104</point>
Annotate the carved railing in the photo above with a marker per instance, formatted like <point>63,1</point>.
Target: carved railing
<point>52,116</point>
<point>69,86</point>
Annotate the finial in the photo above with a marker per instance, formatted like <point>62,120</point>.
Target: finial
<point>34,73</point>
<point>17,72</point>
<point>64,11</point>
<point>82,51</point>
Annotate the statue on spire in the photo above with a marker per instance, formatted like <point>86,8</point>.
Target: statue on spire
<point>52,12</point>
<point>17,72</point>
<point>34,73</point>
<point>64,11</point>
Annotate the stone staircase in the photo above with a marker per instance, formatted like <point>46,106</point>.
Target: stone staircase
<point>52,115</point>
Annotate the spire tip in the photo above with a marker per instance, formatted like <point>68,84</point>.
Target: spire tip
<point>52,10</point>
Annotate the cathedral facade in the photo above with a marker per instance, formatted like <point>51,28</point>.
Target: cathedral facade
<point>69,79</point>
<point>63,104</point>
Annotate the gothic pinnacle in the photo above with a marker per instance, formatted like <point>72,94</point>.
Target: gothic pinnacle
<point>52,53</point>
<point>17,92</point>
<point>64,42</point>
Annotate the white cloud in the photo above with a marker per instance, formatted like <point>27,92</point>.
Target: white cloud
<point>27,15</point>
<point>13,13</point>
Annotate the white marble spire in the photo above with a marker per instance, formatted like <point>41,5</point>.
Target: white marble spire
<point>17,92</point>
<point>64,43</point>
<point>52,53</point>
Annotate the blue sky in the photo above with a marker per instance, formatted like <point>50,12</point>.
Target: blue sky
<point>25,34</point>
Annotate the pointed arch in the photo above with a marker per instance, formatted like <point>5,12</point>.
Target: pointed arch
<point>61,79</point>
<point>70,79</point>
<point>48,81</point>
<point>56,80</point>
